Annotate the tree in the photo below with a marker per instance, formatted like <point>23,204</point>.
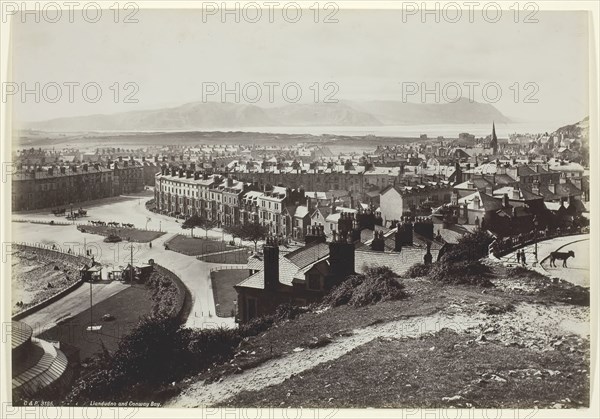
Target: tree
<point>253,232</point>
<point>234,230</point>
<point>193,222</point>
<point>208,225</point>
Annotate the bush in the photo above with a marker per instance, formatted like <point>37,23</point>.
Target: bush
<point>471,246</point>
<point>288,312</point>
<point>377,284</point>
<point>418,270</point>
<point>155,353</point>
<point>342,294</point>
<point>256,325</point>
<point>457,273</point>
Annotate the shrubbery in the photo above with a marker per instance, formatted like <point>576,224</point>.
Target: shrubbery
<point>418,270</point>
<point>460,264</point>
<point>165,294</point>
<point>376,284</point>
<point>458,273</point>
<point>158,351</point>
<point>471,246</point>
<point>154,354</point>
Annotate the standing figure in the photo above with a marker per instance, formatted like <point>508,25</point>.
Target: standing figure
<point>523,258</point>
<point>518,256</point>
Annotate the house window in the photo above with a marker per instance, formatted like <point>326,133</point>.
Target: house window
<point>314,282</point>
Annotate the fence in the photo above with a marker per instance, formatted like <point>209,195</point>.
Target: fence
<point>239,256</point>
<point>505,245</point>
<point>51,222</point>
<point>78,260</point>
<point>230,267</point>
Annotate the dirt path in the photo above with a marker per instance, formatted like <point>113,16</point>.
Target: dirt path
<point>529,325</point>
<point>278,370</point>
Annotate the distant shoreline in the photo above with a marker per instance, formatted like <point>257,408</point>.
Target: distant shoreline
<point>269,135</point>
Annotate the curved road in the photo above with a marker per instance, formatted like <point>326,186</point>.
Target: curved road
<point>193,273</point>
<point>578,270</point>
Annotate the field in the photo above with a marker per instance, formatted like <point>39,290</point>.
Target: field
<point>412,373</point>
<point>129,234</point>
<point>127,307</point>
<point>223,291</point>
<point>36,277</point>
<point>195,246</point>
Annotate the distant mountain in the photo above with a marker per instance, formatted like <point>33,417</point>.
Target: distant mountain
<point>212,115</point>
<point>580,129</point>
<point>462,111</point>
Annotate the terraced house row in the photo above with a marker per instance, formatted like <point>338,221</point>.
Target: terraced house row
<point>227,201</point>
<point>38,186</point>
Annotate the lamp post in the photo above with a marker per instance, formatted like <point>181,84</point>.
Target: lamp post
<point>535,240</point>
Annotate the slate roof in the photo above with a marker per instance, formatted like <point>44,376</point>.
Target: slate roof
<point>489,202</point>
<point>301,211</point>
<point>289,265</point>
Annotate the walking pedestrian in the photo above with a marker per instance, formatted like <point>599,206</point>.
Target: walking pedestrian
<point>150,245</point>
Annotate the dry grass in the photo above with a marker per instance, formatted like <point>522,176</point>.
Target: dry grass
<point>434,371</point>
<point>129,234</point>
<point>423,297</point>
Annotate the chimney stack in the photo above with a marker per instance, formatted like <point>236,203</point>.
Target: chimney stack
<point>378,242</point>
<point>404,234</point>
<point>271,264</point>
<point>314,234</point>
<point>341,260</point>
<point>424,227</point>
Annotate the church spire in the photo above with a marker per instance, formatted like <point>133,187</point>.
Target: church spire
<point>494,140</point>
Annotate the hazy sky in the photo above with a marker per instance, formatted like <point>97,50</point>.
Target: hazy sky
<point>369,55</point>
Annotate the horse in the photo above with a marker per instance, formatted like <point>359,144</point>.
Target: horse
<point>561,256</point>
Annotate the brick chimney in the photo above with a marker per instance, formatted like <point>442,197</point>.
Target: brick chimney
<point>271,264</point>
<point>378,242</point>
<point>315,234</point>
<point>505,201</point>
<point>404,234</point>
<point>345,223</point>
<point>341,259</point>
<point>424,227</point>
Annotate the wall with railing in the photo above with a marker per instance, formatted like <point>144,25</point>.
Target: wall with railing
<point>47,251</point>
<point>502,246</point>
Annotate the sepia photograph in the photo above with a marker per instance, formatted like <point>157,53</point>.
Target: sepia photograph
<point>298,208</point>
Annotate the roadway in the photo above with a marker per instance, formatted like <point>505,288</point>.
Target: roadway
<point>578,268</point>
<point>194,274</point>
